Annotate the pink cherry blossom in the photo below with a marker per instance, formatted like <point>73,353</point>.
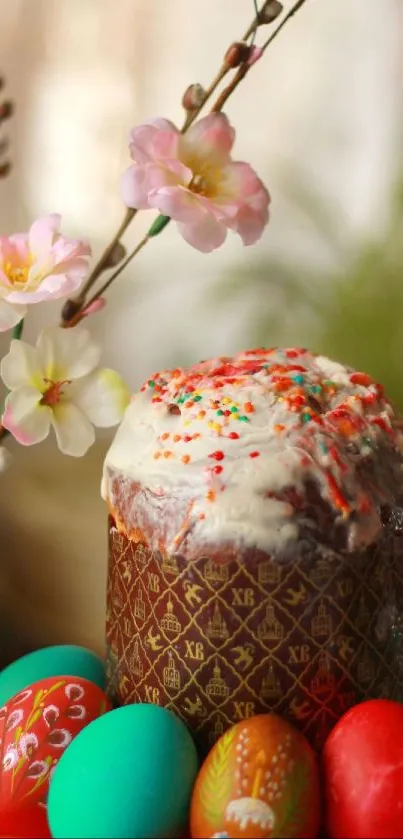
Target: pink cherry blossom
<point>37,266</point>
<point>192,179</point>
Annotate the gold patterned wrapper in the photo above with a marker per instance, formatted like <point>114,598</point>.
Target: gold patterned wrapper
<point>217,643</point>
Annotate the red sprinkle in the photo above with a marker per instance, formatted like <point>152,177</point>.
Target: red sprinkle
<point>233,435</point>
<point>254,454</point>
<point>217,470</point>
<point>361,379</point>
<point>381,423</point>
<point>218,455</point>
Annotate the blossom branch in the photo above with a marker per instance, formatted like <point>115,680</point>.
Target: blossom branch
<point>238,56</point>
<point>108,252</point>
<point>157,227</point>
<point>191,116</point>
<point>245,67</point>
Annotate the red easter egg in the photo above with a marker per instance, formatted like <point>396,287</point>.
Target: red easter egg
<point>28,823</point>
<point>36,726</point>
<point>363,768</point>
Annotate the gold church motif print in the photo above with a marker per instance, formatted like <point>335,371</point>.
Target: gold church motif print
<point>171,676</point>
<point>271,686</point>
<point>321,571</point>
<point>135,665</point>
<point>170,566</point>
<point>216,685</point>
<point>216,731</point>
<point>169,623</point>
<point>117,597</point>
<point>217,628</point>
<point>270,629</point>
<point>141,555</point>
<point>215,573</point>
<point>269,573</point>
<point>127,627</point>
<point>228,660</point>
<point>139,606</point>
<point>323,681</point>
<point>322,625</point>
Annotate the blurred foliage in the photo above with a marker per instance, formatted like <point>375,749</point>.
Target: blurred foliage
<point>352,314</point>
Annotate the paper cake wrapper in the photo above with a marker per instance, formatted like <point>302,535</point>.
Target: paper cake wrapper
<point>220,643</point>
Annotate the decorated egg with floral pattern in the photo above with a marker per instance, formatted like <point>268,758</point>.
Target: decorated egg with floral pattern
<point>26,823</point>
<point>259,780</point>
<point>36,726</point>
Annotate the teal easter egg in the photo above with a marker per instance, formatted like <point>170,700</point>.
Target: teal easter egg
<point>62,660</point>
<point>128,773</point>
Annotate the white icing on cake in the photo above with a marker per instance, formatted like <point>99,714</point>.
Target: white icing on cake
<point>230,435</point>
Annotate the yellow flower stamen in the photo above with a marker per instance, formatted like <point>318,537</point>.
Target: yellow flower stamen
<point>53,394</point>
<point>17,274</point>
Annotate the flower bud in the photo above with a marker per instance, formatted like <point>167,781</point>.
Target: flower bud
<point>193,97</point>
<point>70,309</point>
<point>270,11</point>
<point>236,54</point>
<point>5,169</point>
<point>6,110</point>
<point>94,307</point>
<point>117,255</point>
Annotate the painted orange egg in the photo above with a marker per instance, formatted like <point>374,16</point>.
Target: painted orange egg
<point>259,780</point>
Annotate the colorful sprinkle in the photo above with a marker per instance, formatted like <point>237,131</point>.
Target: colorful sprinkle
<point>218,455</point>
<point>320,417</point>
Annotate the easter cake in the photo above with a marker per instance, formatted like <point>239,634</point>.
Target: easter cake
<point>254,554</point>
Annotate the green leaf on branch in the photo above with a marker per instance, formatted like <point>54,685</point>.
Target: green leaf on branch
<point>18,330</point>
<point>158,225</point>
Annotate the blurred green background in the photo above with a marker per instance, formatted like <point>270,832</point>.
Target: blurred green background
<point>352,314</point>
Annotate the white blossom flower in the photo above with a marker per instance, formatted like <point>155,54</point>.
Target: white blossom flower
<point>10,759</point>
<point>27,744</point>
<point>57,384</point>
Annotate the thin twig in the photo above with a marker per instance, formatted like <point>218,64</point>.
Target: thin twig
<point>244,68</point>
<point>79,315</point>
<point>294,9</point>
<point>103,260</point>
